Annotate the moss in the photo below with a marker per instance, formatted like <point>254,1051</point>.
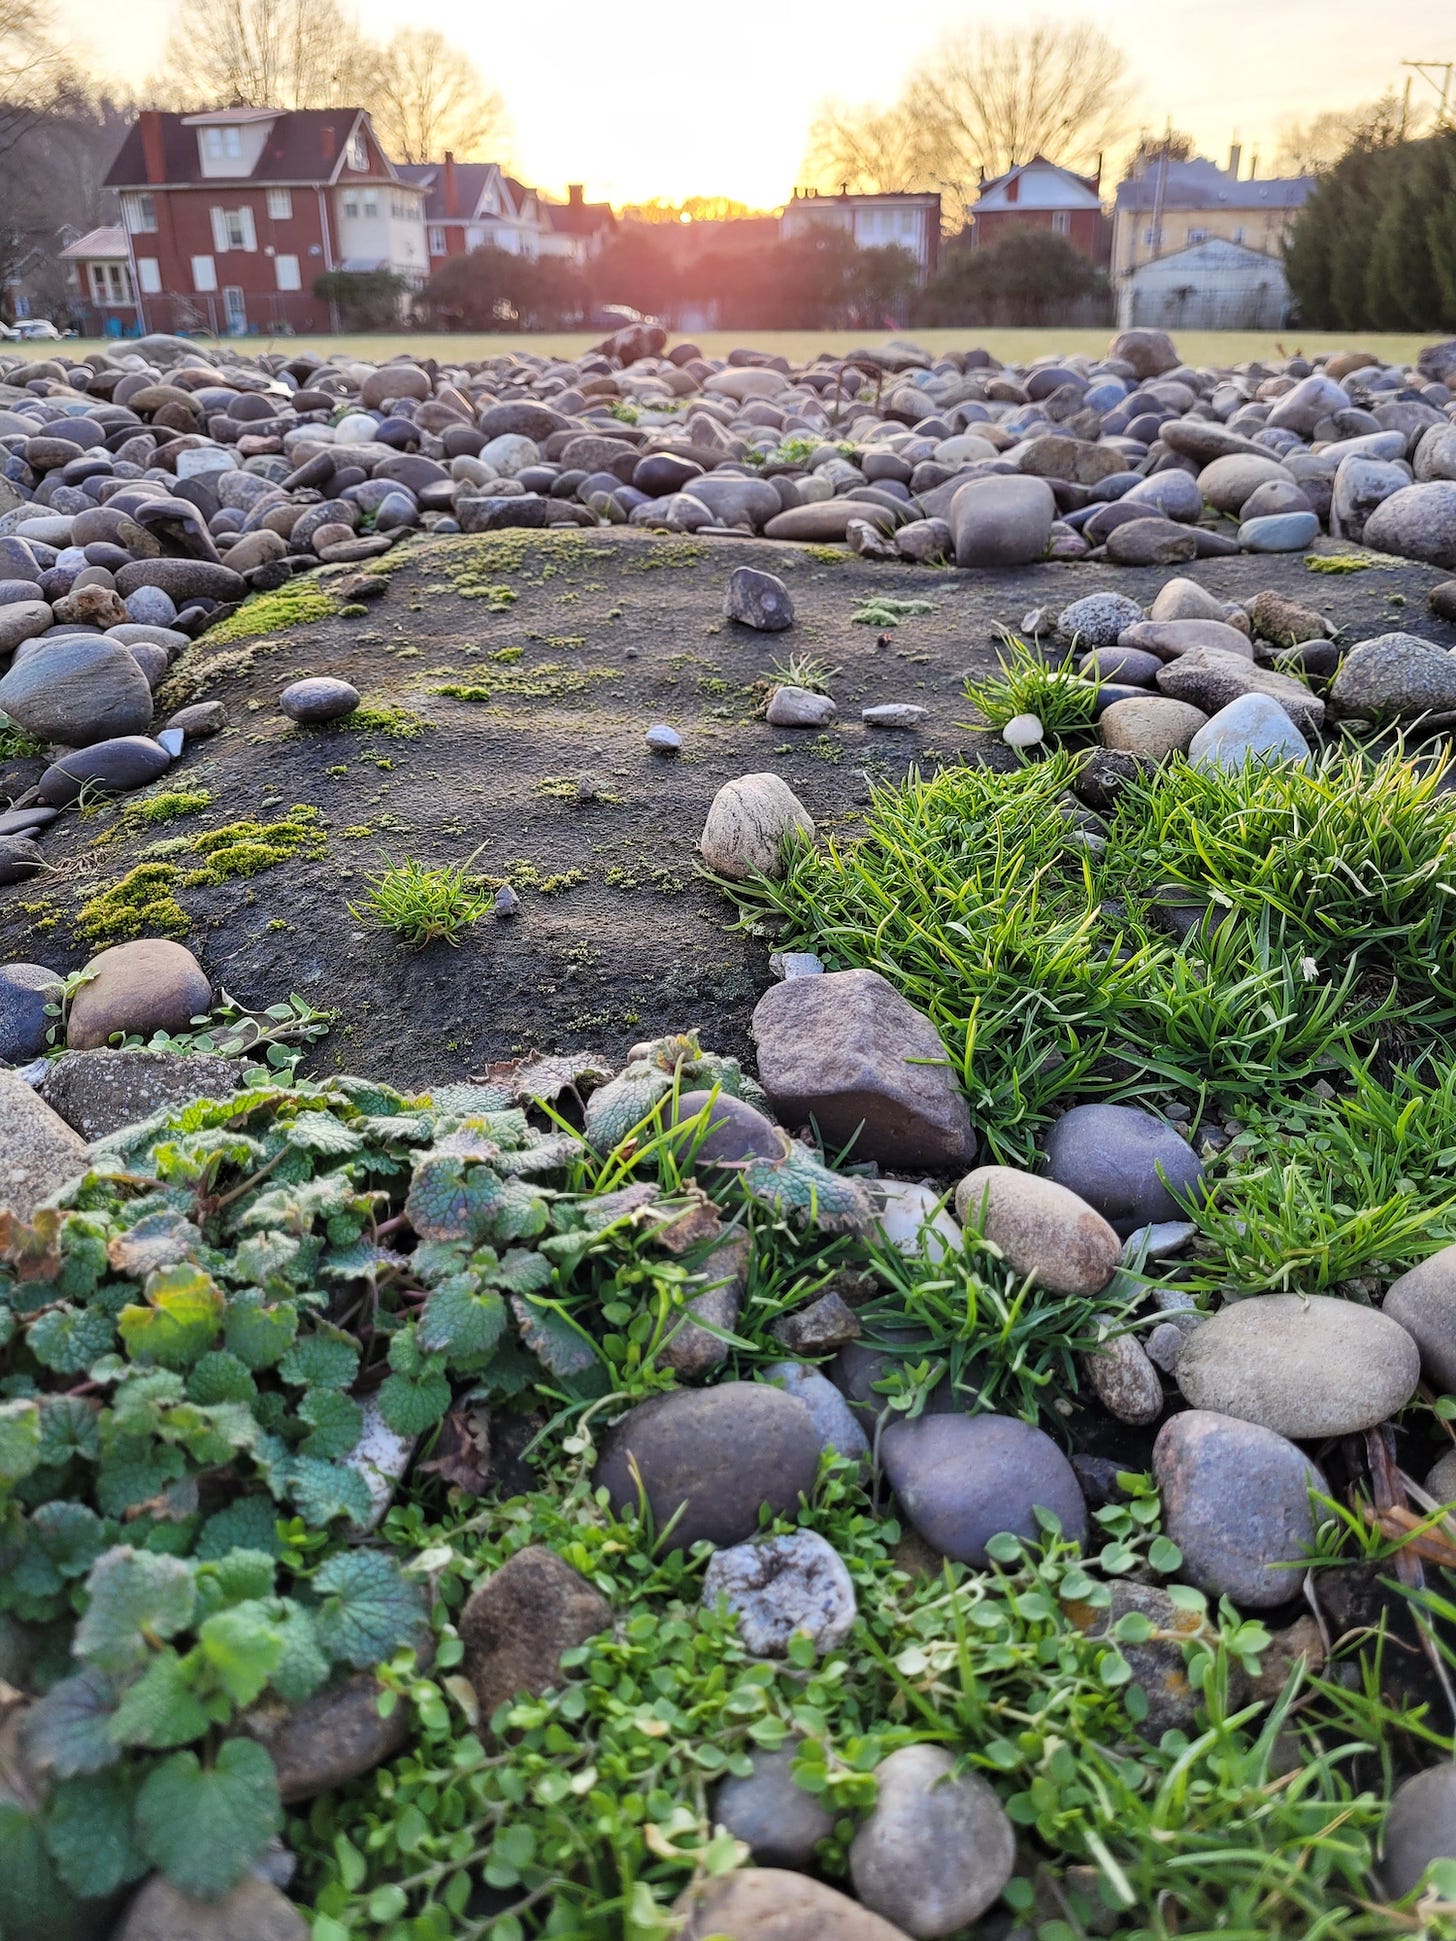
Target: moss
<point>355,610</point>
<point>666,554</point>
<point>546,682</point>
<point>1338,562</point>
<point>524,875</point>
<point>301,600</point>
<point>249,847</point>
<point>886,611</point>
<point>507,656</point>
<point>384,718</point>
<point>356,831</point>
<point>830,555</point>
<point>144,900</point>
<point>618,878</point>
<point>168,805</point>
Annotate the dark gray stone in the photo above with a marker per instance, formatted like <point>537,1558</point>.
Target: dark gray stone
<point>77,691</point>
<point>1236,1503</point>
<point>129,762</point>
<point>759,600</point>
<point>1419,1828</point>
<point>963,1479</point>
<point>319,698</point>
<point>25,991</point>
<point>776,1819</point>
<point>1122,1161</point>
<point>936,1848</point>
<point>99,1092</point>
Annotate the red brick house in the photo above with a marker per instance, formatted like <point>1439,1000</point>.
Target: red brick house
<point>1042,195</point>
<point>231,215</point>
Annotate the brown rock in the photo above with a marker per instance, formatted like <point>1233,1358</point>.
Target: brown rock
<point>848,1051</point>
<point>1124,1381</point>
<point>332,1737</point>
<point>770,1904</point>
<point>38,1150</point>
<point>1211,679</point>
<point>253,1911</point>
<point>1153,727</point>
<point>1042,1229</point>
<point>518,1622</point>
<point>151,985</point>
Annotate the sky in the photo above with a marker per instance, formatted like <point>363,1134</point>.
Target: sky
<point>698,101</point>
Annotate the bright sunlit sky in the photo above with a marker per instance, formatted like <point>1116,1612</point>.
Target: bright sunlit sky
<point>717,100</point>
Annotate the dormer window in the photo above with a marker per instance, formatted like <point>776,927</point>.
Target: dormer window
<point>356,155</point>
<point>223,144</point>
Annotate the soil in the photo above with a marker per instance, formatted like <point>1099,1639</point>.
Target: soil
<point>614,631</point>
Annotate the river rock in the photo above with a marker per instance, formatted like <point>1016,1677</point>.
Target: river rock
<point>962,1479</point>
<point>1211,679</point>
<point>1423,1302</point>
<point>1362,484</point>
<point>1124,1380</point>
<point>1150,725</point>
<point>1150,542</point>
<point>1158,1665</point>
<point>1395,676</point>
<point>1122,1161</point>
<point>128,762</point>
<point>1044,1232</point>
<point>1228,482</point>
<point>517,1623</point>
<point>1419,1828</point>
<point>848,1051</point>
<point>776,1819</point>
<point>717,1454</point>
<point>747,824</point>
<point>25,991</point>
<point>936,1848</point>
<point>835,1423</point>
<point>38,1151</point>
<point>331,1738</point>
<point>1306,1367</point>
<point>100,1092</point>
<point>1236,1503</point>
<point>1251,729</point>
<point>1278,532</point>
<point>780,1588</point>
<point>1418,522</point>
<point>798,707</point>
<point>1003,521</point>
<point>1149,352</point>
<point>1097,619</point>
<point>758,600</point>
<point>254,1911</point>
<point>136,989</point>
<point>1180,599</point>
<point>20,857</point>
<point>319,698</point>
<point>77,691</point>
<point>766,1904</point>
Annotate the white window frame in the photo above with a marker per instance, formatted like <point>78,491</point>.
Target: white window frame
<point>141,214</point>
<point>1061,222</point>
<point>1198,235</point>
<point>98,282</point>
<point>223,144</point>
<point>149,275</point>
<point>287,272</point>
<point>280,205</point>
<point>356,155</point>
<point>204,275</point>
<point>369,204</point>
<point>437,239</point>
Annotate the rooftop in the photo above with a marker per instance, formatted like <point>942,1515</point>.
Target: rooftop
<point>1202,184</point>
<point>109,240</point>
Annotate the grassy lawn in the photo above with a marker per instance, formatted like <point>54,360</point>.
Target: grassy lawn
<point>1212,347</point>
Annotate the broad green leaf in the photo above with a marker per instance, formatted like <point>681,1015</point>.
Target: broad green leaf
<point>69,1339</point>
<point>133,1471</point>
<point>71,1536</point>
<point>321,1132</point>
<point>134,1597</point>
<point>221,1377</point>
<point>161,1709</point>
<point>19,1441</point>
<point>451,1199</point>
<point>33,1903</point>
<point>368,1608</point>
<point>459,1321</point>
<point>259,1335</point>
<point>65,1733</point>
<point>325,1490</point>
<point>180,1321</point>
<point>69,1426</point>
<point>559,1344</point>
<point>411,1405</point>
<point>327,1358</point>
<point>203,1827</point>
<point>91,1836</point>
<point>799,1183</point>
<point>243,1647</point>
<point>335,1420</point>
<point>240,1577</point>
<point>303,1666</point>
<point>251,1524</point>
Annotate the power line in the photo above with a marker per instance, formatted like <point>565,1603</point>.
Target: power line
<point>1428,70</point>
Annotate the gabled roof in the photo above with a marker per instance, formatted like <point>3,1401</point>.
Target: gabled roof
<point>109,240</point>
<point>302,145</point>
<point>472,179</point>
<point>1215,254</point>
<point>577,218</point>
<point>1071,189</point>
<point>1201,184</point>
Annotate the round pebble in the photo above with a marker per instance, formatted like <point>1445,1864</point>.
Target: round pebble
<point>319,698</point>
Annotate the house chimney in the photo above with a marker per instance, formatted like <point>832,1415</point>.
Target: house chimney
<point>1097,175</point>
<point>574,193</point>
<point>154,156</point>
<point>328,142</point>
<point>452,207</point>
<point>1236,155</point>
<point>1253,164</point>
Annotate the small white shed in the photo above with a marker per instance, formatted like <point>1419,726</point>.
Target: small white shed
<point>1215,285</point>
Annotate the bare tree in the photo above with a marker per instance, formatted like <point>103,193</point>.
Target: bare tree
<point>866,149</point>
<point>988,98</point>
<point>265,53</point>
<point>425,96</point>
<point>1308,147</point>
<point>1174,146</point>
<point>31,68</point>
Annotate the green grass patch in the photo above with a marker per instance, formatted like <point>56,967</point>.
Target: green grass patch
<point>301,600</point>
<point>1330,930</point>
<point>1060,699</point>
<point>16,744</point>
<point>422,903</point>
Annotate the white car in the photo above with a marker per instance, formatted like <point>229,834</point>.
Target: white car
<point>28,327</point>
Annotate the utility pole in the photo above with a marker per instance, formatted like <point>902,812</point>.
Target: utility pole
<point>1428,70</point>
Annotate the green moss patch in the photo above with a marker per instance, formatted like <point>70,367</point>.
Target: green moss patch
<point>886,611</point>
<point>144,900</point>
<point>302,600</point>
<point>549,681</point>
<point>385,718</point>
<point>167,806</point>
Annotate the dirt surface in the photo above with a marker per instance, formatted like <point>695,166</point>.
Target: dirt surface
<point>618,937</point>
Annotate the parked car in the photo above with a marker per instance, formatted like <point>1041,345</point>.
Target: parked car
<point>30,327</point>
<point>617,316</point>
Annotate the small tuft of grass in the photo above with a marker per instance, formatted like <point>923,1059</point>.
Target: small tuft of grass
<point>803,670</point>
<point>421,903</point>
<point>15,743</point>
<point>1061,700</point>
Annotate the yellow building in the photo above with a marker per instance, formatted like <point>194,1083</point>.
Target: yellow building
<point>1173,206</point>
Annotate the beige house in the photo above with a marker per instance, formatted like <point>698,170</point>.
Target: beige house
<point>1174,206</point>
